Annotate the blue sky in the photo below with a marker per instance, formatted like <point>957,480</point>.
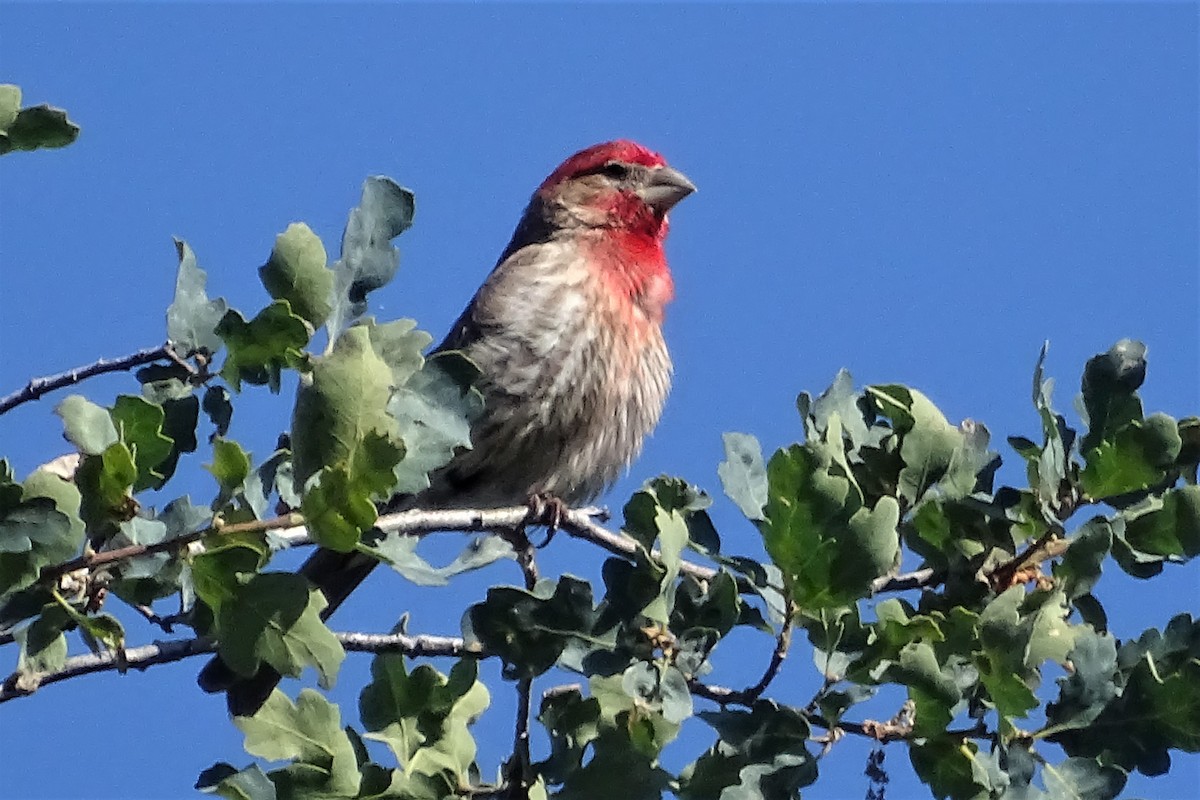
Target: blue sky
<point>918,193</point>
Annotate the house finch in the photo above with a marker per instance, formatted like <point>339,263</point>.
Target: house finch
<point>567,333</point>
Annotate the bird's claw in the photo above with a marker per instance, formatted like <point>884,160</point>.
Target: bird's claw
<point>548,510</point>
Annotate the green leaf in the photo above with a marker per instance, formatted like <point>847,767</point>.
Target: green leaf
<point>217,573</point>
<point>1154,712</point>
<point>1050,467</point>
<point>343,401</point>
<point>339,504</point>
<point>230,466</point>
<point>104,483</point>
<point>142,531</point>
<point>971,464</point>
<point>144,579</point>
<point>647,519</point>
<point>399,551</point>
<point>743,474</point>
<point>223,780</point>
<point>140,425</point>
<point>434,411</point>
<point>1080,567</point>
<point>336,514</point>
<point>259,350</point>
<point>1110,384</point>
<point>65,496</point>
<point>1166,526</point>
<point>1135,457</point>
<point>33,127</point>
<point>219,409</point>
<point>1008,693</point>
<point>424,716</point>
<point>308,732</point>
<point>616,770</point>
<point>918,668</point>
<point>275,475</point>
<point>36,520</point>
<point>1189,452</point>
<point>88,426</point>
<point>179,425</point>
<point>1044,620</point>
<point>275,618</point>
<point>10,104</point>
<point>951,767</point>
<point>854,415</point>
<point>192,318</point>
<point>1090,686</point>
<point>761,753</point>
<point>368,259</point>
<point>101,631</point>
<point>572,722</point>
<point>297,272</point>
<point>43,646</point>
<point>828,546</point>
<point>530,630</point>
<point>1082,779</point>
<point>713,604</point>
<point>898,625</point>
<point>400,345</point>
<point>928,442</point>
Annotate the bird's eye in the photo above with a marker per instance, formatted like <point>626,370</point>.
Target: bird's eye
<point>615,170</point>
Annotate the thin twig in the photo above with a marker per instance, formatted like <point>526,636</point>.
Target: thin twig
<point>917,579</point>
<point>167,623</point>
<point>40,386</point>
<point>748,696</point>
<point>579,523</point>
<point>165,652</point>
<point>23,684</point>
<point>1003,576</point>
<point>420,646</point>
<point>96,560</point>
<point>520,766</point>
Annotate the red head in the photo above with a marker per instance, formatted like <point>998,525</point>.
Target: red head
<point>618,184</point>
<point>595,157</point>
<point>612,199</point>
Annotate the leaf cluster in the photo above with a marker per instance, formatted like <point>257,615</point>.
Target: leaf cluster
<point>31,127</point>
<point>1003,594</point>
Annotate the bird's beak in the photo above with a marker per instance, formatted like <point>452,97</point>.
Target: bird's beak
<point>665,188</point>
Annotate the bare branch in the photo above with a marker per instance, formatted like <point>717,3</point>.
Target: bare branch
<point>94,560</point>
<point>41,386</point>
<point>520,766</point>
<point>579,523</point>
<point>1024,565</point>
<point>519,770</point>
<point>918,579</point>
<point>165,652</point>
<point>23,684</point>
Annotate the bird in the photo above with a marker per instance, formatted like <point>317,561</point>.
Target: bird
<point>566,331</point>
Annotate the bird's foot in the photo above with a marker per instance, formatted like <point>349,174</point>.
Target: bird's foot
<point>549,510</point>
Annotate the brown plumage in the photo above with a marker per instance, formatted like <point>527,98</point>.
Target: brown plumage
<point>566,331</point>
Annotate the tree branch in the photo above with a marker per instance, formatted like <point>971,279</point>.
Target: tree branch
<point>579,523</point>
<point>41,386</point>
<point>520,766</point>
<point>1048,545</point>
<point>95,560</point>
<point>22,684</point>
<point>748,696</point>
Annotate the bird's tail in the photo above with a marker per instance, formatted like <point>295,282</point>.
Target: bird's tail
<point>336,575</point>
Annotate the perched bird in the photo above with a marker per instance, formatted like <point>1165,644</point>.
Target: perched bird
<point>567,333</point>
